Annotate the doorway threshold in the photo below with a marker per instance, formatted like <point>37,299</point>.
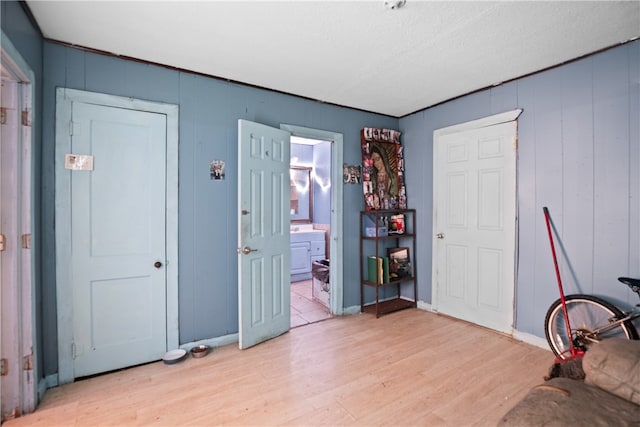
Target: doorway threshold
<point>304,309</point>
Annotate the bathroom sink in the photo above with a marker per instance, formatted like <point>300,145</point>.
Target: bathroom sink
<point>306,235</point>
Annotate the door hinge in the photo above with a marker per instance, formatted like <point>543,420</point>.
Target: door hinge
<point>2,242</point>
<point>27,362</point>
<point>73,350</point>
<point>26,241</point>
<point>4,367</point>
<point>26,119</point>
<point>3,115</point>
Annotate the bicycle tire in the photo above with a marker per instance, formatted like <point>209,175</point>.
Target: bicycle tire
<point>586,313</point>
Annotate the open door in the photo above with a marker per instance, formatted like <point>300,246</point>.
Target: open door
<point>263,233</point>
<point>20,373</point>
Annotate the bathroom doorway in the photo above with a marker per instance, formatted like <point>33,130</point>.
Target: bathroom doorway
<point>311,208</point>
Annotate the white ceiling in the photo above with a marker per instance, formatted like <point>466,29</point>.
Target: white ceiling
<point>357,54</point>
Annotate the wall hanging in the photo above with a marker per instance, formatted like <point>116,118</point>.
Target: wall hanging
<point>351,174</point>
<point>382,169</point>
<point>216,170</point>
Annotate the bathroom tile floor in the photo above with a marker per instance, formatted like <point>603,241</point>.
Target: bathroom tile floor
<point>304,309</point>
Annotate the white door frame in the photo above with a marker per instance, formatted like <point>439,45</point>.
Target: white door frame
<point>336,239</point>
<point>21,310</point>
<point>64,99</point>
<point>496,119</point>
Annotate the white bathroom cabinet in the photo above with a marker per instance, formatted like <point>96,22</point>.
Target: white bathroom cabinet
<point>306,247</point>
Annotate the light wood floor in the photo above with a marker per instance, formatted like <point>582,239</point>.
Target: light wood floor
<point>404,369</point>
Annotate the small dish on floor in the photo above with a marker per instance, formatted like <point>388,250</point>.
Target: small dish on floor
<point>200,351</point>
<point>174,356</point>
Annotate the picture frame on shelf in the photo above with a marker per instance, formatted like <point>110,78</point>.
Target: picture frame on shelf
<point>396,224</point>
<point>399,263</point>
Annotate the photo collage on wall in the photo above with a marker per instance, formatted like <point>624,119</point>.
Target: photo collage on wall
<point>382,169</point>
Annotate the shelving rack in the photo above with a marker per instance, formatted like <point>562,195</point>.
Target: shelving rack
<point>381,242</point>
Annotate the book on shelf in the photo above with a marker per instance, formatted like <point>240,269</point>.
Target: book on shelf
<point>378,269</point>
<point>399,263</point>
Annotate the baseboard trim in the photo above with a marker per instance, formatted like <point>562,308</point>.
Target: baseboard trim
<point>531,339</point>
<point>354,309</point>
<point>422,305</point>
<point>46,383</point>
<point>213,342</point>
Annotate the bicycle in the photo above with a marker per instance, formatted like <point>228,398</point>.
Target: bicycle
<point>575,322</point>
<point>591,319</point>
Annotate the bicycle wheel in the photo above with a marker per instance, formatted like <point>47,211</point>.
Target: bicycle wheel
<point>586,314</point>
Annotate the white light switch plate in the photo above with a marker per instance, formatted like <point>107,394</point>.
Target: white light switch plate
<point>78,162</point>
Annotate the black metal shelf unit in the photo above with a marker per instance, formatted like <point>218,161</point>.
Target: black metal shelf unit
<point>386,236</point>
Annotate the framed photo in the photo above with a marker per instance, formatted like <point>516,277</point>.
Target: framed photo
<point>382,170</point>
<point>351,174</point>
<point>399,263</point>
<point>216,170</point>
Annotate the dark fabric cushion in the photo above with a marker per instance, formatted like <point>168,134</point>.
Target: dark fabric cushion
<point>614,365</point>
<point>565,402</point>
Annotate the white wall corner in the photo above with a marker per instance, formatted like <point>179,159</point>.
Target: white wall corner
<point>422,305</point>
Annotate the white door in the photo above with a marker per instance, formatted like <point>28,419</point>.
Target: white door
<point>474,225</point>
<point>263,233</point>
<point>117,237</point>
<point>19,380</point>
<point>10,251</point>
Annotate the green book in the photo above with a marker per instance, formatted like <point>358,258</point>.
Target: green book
<point>385,269</point>
<point>375,269</point>
<point>378,269</point>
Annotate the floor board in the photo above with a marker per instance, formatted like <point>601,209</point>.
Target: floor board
<point>407,368</point>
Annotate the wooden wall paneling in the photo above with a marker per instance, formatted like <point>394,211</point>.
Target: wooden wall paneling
<point>577,165</point>
<point>532,272</point>
<point>549,177</point>
<point>611,171</point>
<point>634,157</point>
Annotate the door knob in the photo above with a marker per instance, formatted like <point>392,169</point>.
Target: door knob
<point>246,250</point>
<point>157,264</point>
<point>440,235</point>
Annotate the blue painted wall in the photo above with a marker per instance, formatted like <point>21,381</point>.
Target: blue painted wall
<point>209,111</point>
<point>579,151</point>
